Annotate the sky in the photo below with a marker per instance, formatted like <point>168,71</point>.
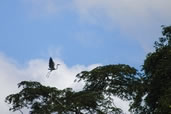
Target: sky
<point>78,34</point>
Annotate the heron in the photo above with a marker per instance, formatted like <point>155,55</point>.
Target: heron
<point>51,66</point>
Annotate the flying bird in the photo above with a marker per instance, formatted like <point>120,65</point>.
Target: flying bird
<point>51,66</point>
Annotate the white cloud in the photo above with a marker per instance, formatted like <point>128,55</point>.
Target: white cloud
<point>124,105</point>
<point>8,81</point>
<point>11,74</point>
<point>139,19</point>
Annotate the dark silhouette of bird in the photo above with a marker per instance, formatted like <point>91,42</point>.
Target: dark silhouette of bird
<point>51,66</point>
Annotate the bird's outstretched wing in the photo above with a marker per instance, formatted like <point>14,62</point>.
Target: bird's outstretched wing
<point>51,64</point>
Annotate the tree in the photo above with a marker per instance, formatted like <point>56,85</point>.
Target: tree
<point>156,88</point>
<point>118,80</point>
<point>101,82</point>
<point>46,100</point>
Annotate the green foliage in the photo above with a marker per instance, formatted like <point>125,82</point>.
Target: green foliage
<point>165,40</point>
<point>46,100</point>
<point>118,80</point>
<point>157,81</point>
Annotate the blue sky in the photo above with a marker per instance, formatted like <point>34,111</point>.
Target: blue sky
<point>32,30</point>
<point>80,34</point>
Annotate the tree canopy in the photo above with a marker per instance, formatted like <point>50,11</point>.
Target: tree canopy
<point>46,100</point>
<point>149,90</point>
<point>156,92</point>
<point>101,83</point>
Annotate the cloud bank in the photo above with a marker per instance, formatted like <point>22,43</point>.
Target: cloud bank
<point>11,74</point>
